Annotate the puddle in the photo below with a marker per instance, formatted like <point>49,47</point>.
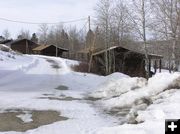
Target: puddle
<point>122,112</point>
<point>48,94</point>
<point>56,66</point>
<point>92,99</point>
<point>10,122</point>
<point>62,87</point>
<point>49,60</point>
<point>60,99</point>
<point>54,63</point>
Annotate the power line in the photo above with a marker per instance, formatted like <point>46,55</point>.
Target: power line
<point>38,23</point>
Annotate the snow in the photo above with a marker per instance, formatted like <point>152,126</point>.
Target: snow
<point>28,80</point>
<point>117,91</point>
<point>156,100</point>
<point>26,117</point>
<point>115,87</point>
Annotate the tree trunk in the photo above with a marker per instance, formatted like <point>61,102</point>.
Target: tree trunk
<point>144,39</point>
<point>174,66</point>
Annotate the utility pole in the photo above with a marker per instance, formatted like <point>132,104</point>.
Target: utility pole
<point>106,51</point>
<point>89,21</point>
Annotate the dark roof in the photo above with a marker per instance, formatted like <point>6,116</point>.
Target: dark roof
<point>42,47</point>
<point>19,40</point>
<point>154,56</point>
<point>5,41</point>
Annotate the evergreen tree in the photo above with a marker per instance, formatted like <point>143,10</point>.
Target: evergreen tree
<point>34,38</point>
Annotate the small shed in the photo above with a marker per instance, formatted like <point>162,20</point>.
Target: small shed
<point>123,60</point>
<point>49,50</point>
<point>24,46</point>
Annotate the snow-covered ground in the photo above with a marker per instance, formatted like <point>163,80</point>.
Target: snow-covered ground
<point>33,82</point>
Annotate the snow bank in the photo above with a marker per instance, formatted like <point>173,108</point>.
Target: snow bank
<point>117,75</point>
<point>11,60</point>
<point>6,53</point>
<point>115,87</point>
<point>153,118</point>
<point>134,94</point>
<point>5,48</point>
<point>68,63</point>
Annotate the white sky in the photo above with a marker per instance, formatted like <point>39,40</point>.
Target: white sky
<point>42,11</point>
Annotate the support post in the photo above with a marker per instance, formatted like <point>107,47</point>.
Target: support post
<point>90,63</point>
<point>27,47</point>
<point>160,65</point>
<point>155,66</point>
<point>56,51</point>
<point>149,66</point>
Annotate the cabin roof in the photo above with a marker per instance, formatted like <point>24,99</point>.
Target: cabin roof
<point>18,40</point>
<point>153,56</point>
<point>42,47</point>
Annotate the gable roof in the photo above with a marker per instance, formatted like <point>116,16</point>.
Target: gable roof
<point>42,47</point>
<point>154,56</point>
<point>19,40</point>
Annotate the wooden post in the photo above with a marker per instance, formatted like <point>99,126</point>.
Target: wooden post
<point>90,63</point>
<point>155,66</point>
<point>114,61</point>
<point>56,51</point>
<point>26,47</point>
<point>149,66</point>
<point>160,65</point>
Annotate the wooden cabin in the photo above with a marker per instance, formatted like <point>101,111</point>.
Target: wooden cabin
<point>49,50</point>
<point>123,60</point>
<point>24,46</point>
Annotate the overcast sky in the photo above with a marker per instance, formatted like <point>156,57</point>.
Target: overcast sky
<point>42,11</point>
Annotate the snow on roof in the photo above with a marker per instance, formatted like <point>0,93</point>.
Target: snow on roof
<point>114,47</point>
<point>42,47</point>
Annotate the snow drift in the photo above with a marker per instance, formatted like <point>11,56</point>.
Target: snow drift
<point>134,94</point>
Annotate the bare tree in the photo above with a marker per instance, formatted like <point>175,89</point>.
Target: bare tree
<point>58,29</point>
<point>24,34</point>
<point>74,43</point>
<point>140,15</point>
<point>104,12</point>
<point>43,33</point>
<point>6,34</point>
<point>122,25</point>
<point>51,39</point>
<point>168,24</point>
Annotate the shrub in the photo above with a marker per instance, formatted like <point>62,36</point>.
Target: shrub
<point>81,67</point>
